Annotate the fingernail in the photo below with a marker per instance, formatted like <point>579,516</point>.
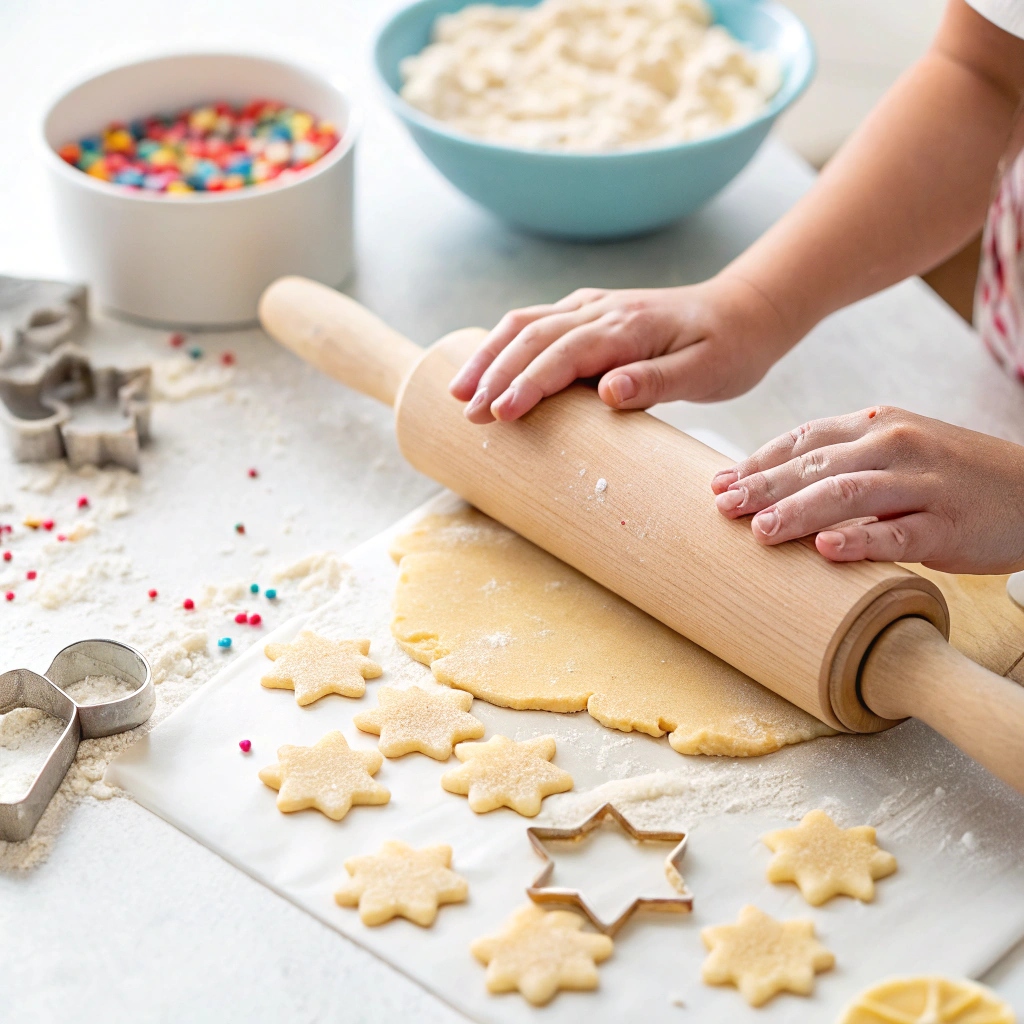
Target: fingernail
<point>725,477</point>
<point>729,500</point>
<point>834,538</point>
<point>477,402</point>
<point>767,522</point>
<point>623,388</point>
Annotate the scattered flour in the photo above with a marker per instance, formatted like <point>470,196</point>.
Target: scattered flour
<point>666,800</point>
<point>98,689</point>
<point>180,378</point>
<point>27,736</point>
<point>324,569</point>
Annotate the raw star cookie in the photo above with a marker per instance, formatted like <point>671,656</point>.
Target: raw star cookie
<point>927,1000</point>
<point>504,773</point>
<point>825,860</point>
<point>540,952</point>
<point>401,882</point>
<point>493,614</point>
<point>762,956</point>
<point>313,667</point>
<point>329,776</point>
<point>408,720</point>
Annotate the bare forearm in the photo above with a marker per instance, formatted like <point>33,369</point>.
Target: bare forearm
<point>908,189</point>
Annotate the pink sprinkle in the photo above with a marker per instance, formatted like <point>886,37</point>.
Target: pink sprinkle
<point>241,618</point>
<point>227,358</point>
<point>7,556</point>
<point>176,340</point>
<point>188,604</point>
<point>48,524</point>
<point>245,746</point>
<point>83,502</point>
<point>152,595</point>
<point>30,575</point>
<point>253,473</point>
<point>9,595</point>
<point>255,619</point>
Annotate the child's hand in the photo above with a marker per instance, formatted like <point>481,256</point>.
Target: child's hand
<point>927,492</point>
<point>702,343</point>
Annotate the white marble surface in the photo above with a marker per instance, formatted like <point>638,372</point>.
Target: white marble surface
<point>129,919</point>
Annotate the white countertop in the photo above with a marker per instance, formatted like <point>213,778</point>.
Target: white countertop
<point>130,920</point>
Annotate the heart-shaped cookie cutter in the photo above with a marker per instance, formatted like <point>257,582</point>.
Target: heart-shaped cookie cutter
<point>23,688</point>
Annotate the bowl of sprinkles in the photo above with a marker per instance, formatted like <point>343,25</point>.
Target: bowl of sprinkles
<point>184,185</point>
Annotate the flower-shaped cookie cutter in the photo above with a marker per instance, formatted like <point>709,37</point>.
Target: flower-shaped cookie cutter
<point>53,401</point>
<point>21,688</point>
<point>541,892</point>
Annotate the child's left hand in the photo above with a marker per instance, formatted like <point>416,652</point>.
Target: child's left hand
<point>923,490</point>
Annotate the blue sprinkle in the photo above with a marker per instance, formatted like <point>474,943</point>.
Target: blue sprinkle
<point>271,593</point>
<point>254,588</point>
<point>196,353</point>
<point>91,142</point>
<point>224,641</point>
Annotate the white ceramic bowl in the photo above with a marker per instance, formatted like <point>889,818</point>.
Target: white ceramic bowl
<point>200,259</point>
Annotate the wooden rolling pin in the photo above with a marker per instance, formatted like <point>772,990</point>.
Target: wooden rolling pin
<point>859,645</point>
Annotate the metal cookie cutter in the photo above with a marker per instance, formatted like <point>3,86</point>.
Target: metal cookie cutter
<point>541,892</point>
<point>53,401</point>
<point>24,688</point>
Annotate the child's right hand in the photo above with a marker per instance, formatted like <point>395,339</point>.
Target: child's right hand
<point>701,343</point>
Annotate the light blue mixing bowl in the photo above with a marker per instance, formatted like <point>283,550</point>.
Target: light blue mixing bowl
<point>597,195</point>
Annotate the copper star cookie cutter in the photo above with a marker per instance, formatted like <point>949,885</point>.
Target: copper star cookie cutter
<point>54,403</point>
<point>541,892</point>
<point>22,688</point>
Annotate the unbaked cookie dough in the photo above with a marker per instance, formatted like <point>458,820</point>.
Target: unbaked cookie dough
<point>762,956</point>
<point>506,773</point>
<point>825,860</point>
<point>401,882</point>
<point>329,776</point>
<point>493,614</point>
<point>314,666</point>
<point>540,952</point>
<point>927,1000</point>
<point>413,719</point>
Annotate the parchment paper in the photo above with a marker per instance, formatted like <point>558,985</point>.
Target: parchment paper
<point>955,905</point>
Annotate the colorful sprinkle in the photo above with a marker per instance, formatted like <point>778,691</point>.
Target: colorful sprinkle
<point>47,524</point>
<point>210,148</point>
<point>245,746</point>
<point>7,556</point>
<point>176,340</point>
<point>254,588</point>
<point>271,593</point>
<point>253,473</point>
<point>241,618</point>
<point>32,522</point>
<point>196,352</point>
<point>152,594</point>
<point>30,575</point>
<point>227,358</point>
<point>255,619</point>
<point>83,502</point>
<point>9,595</point>
<point>224,641</point>
<point>61,538</point>
<point>239,527</point>
<point>188,604</point>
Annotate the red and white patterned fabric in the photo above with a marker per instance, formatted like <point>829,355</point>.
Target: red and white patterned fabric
<point>999,297</point>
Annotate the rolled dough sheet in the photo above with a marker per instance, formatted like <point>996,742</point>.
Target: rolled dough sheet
<point>955,906</point>
<point>493,614</point>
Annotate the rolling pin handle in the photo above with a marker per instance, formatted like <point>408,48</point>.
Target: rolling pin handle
<point>338,336</point>
<point>912,671</point>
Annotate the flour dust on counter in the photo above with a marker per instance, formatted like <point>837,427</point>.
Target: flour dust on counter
<point>62,560</point>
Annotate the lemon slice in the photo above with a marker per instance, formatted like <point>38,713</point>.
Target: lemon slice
<point>927,1000</point>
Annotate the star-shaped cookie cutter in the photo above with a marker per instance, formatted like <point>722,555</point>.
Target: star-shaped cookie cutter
<point>541,892</point>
